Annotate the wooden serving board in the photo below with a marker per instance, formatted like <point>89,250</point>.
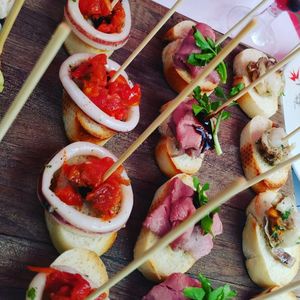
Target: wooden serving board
<point>38,133</point>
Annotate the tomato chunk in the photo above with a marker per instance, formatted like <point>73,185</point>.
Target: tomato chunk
<point>95,8</point>
<point>114,98</point>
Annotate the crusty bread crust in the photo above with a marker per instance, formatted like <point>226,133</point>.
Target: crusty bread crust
<point>166,261</point>
<point>65,238</point>
<point>176,78</point>
<point>75,45</point>
<point>80,127</point>
<point>253,163</point>
<point>287,296</point>
<point>172,165</point>
<point>262,267</point>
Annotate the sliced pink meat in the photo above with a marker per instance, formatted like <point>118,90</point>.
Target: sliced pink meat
<point>172,288</point>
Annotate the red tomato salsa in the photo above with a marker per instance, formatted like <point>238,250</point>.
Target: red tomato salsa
<point>104,18</point>
<point>114,98</point>
<point>80,185</point>
<point>65,286</point>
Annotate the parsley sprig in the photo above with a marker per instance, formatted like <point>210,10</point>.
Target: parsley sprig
<point>209,50</point>
<point>206,292</point>
<point>31,293</point>
<point>206,106</point>
<point>201,199</point>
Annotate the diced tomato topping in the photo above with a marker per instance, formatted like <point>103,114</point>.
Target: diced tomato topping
<point>105,197</point>
<point>65,286</point>
<point>95,8</point>
<point>114,98</point>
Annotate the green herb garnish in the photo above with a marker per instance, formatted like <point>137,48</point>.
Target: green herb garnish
<point>206,292</point>
<point>201,199</point>
<point>209,50</point>
<point>286,214</point>
<point>31,293</point>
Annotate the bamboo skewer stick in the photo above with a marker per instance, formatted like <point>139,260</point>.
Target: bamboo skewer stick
<point>278,66</point>
<point>37,72</point>
<point>147,39</point>
<point>9,22</point>
<point>114,3</point>
<point>281,291</point>
<point>180,98</point>
<point>294,132</point>
<point>245,19</point>
<point>236,187</point>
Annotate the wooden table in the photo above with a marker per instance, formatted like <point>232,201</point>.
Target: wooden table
<point>38,133</point>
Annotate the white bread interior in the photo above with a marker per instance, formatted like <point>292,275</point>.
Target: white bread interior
<point>65,237</point>
<point>180,30</point>
<point>74,45</point>
<point>262,267</point>
<point>252,103</point>
<point>172,165</point>
<point>252,161</point>
<point>82,261</point>
<point>80,127</point>
<point>166,261</point>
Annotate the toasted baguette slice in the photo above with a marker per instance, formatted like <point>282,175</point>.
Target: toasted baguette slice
<point>75,45</point>
<point>172,165</point>
<point>82,261</point>
<point>178,79</point>
<point>179,31</point>
<point>166,261</point>
<point>287,296</point>
<point>262,267</point>
<point>253,103</point>
<point>252,161</point>
<point>65,237</point>
<point>80,127</point>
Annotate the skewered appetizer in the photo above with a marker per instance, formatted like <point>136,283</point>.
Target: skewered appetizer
<point>5,7</point>
<point>271,239</point>
<point>181,287</point>
<point>94,108</point>
<point>81,211</point>
<point>261,147</point>
<point>97,27</point>
<point>75,274</point>
<point>262,100</point>
<point>287,296</point>
<point>173,202</point>
<point>191,47</point>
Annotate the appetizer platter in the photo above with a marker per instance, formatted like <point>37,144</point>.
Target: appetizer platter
<point>68,115</point>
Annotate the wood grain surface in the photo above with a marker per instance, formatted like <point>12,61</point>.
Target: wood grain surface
<point>38,133</point>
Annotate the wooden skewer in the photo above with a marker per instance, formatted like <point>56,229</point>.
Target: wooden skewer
<point>37,72</point>
<point>236,187</point>
<point>245,19</point>
<point>245,90</point>
<point>281,291</point>
<point>114,3</point>
<point>147,39</point>
<point>291,134</point>
<point>181,97</point>
<point>9,22</point>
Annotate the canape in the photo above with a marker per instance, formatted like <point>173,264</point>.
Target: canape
<point>172,204</point>
<point>261,147</point>
<point>262,100</point>
<point>81,211</point>
<point>271,239</point>
<point>97,27</point>
<point>75,274</point>
<point>94,108</point>
<point>191,46</point>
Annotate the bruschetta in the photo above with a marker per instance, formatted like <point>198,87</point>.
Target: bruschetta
<point>81,211</point>
<point>173,203</point>
<point>179,70</point>
<point>262,100</point>
<point>97,27</point>
<point>271,239</point>
<point>262,146</point>
<point>75,274</point>
<point>94,108</point>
